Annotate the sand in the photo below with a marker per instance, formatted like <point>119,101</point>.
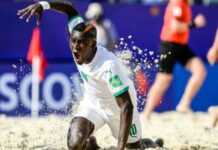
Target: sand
<point>180,132</point>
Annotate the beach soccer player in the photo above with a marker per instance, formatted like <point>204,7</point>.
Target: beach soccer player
<point>109,95</point>
<point>174,48</point>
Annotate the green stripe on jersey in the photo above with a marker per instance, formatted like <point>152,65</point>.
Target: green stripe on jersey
<point>84,76</point>
<point>121,91</point>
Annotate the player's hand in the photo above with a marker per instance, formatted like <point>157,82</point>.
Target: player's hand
<point>200,21</point>
<point>31,11</point>
<point>212,56</point>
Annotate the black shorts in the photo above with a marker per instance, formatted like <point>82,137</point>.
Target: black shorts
<point>171,53</point>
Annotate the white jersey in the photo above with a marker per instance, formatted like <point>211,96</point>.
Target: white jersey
<point>105,77</point>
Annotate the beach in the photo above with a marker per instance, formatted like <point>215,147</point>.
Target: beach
<point>179,131</point>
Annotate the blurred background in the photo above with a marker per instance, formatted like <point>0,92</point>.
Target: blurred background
<point>137,22</point>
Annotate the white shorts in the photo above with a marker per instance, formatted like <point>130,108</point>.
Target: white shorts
<point>110,116</point>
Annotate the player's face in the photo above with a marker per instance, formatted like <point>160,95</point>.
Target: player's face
<point>82,48</point>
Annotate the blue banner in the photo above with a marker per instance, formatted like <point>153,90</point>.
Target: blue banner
<point>58,91</point>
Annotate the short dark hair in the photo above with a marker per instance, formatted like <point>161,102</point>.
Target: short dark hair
<point>87,29</point>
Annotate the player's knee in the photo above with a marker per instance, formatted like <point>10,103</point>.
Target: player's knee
<point>163,79</point>
<point>203,73</point>
<point>160,85</point>
<point>198,69</point>
<point>200,73</point>
<point>75,141</point>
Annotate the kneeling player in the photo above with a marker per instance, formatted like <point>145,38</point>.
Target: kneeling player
<point>109,96</point>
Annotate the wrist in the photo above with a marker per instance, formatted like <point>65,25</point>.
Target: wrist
<point>45,5</point>
<point>192,24</point>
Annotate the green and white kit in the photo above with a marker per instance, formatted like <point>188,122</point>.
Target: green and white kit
<point>104,79</point>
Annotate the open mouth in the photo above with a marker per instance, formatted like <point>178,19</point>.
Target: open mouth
<point>77,56</point>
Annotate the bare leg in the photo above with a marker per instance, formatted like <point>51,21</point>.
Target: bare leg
<point>213,111</point>
<point>196,67</point>
<point>79,133</point>
<point>156,92</point>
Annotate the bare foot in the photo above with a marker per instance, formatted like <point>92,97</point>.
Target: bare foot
<point>183,109</point>
<point>148,143</point>
<point>213,111</point>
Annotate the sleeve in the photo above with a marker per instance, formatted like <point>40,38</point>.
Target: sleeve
<point>116,79</point>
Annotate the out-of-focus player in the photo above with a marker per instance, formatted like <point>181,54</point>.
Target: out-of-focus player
<point>107,34</point>
<point>174,48</point>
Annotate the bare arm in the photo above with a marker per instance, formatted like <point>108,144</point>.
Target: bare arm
<point>37,9</point>
<point>179,26</point>
<point>64,7</point>
<point>126,115</point>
